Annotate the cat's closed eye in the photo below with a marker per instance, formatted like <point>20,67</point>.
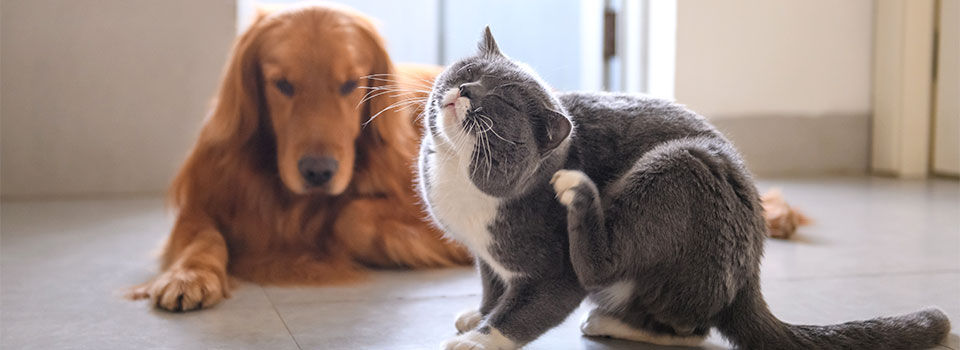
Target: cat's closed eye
<point>506,101</point>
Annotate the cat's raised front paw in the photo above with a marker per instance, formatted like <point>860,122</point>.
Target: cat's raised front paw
<point>467,320</point>
<point>475,340</point>
<point>564,182</point>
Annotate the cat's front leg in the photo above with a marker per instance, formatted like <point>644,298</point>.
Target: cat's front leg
<point>526,310</point>
<point>493,288</point>
<point>590,242</point>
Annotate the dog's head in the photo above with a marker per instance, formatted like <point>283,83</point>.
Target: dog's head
<point>295,88</point>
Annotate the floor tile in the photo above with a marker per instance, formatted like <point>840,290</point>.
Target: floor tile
<point>65,265</point>
<point>865,226</point>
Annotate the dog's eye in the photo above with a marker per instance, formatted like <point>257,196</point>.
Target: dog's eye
<point>348,87</point>
<point>284,86</point>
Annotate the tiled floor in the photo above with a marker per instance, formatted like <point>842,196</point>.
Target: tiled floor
<point>878,247</point>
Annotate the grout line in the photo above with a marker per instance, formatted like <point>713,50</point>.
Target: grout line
<point>945,347</point>
<point>284,322</point>
<point>866,275</point>
<point>799,279</point>
<point>80,197</point>
<point>417,298</point>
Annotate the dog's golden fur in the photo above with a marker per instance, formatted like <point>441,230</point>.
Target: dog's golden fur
<point>243,208</point>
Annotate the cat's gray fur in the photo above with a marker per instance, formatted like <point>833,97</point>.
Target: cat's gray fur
<point>663,205</point>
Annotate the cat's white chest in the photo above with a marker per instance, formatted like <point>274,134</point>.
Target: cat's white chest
<point>464,210</point>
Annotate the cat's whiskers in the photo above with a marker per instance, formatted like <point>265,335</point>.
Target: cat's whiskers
<point>458,140</point>
<point>421,82</point>
<point>374,92</point>
<point>489,123</point>
<point>503,85</point>
<point>392,87</point>
<point>483,140</point>
<point>488,152</point>
<point>477,147</point>
<point>377,93</point>
<point>405,103</point>
<point>385,76</point>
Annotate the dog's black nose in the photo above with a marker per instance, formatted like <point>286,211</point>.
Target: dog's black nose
<point>471,90</point>
<point>316,171</point>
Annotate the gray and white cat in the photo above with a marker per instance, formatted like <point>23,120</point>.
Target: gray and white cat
<point>636,202</point>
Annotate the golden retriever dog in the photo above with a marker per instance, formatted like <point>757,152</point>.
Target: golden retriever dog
<point>303,172</point>
<point>291,180</point>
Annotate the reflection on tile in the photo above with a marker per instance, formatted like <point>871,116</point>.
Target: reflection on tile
<point>836,300</point>
<point>868,226</point>
<point>413,324</point>
<point>381,285</point>
<point>389,324</point>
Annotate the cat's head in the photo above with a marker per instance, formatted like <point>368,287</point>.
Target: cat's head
<point>499,116</point>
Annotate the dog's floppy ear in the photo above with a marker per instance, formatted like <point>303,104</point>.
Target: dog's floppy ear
<point>384,122</point>
<point>239,103</point>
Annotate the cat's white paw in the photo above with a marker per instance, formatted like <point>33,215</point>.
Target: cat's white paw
<point>474,340</point>
<point>599,325</point>
<point>467,320</point>
<point>563,183</point>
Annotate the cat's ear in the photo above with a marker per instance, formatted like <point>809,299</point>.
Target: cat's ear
<point>556,128</point>
<point>487,45</point>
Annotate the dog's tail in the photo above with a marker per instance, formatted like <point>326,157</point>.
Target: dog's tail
<point>748,323</point>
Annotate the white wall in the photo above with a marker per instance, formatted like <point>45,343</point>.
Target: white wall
<point>783,57</point>
<point>105,96</point>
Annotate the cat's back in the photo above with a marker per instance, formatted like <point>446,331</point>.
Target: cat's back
<point>614,129</point>
<point>606,112</point>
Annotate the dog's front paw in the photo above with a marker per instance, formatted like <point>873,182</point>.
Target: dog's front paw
<point>565,182</point>
<point>467,320</point>
<point>184,289</point>
<point>477,340</point>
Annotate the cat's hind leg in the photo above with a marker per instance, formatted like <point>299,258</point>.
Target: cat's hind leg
<point>598,323</point>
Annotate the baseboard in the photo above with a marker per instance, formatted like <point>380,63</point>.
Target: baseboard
<point>781,145</point>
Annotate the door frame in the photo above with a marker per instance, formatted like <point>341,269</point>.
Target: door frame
<point>903,87</point>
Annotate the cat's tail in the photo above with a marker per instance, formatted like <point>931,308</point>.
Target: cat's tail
<point>748,324</point>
